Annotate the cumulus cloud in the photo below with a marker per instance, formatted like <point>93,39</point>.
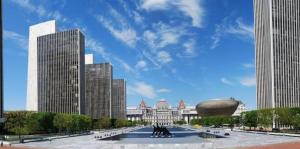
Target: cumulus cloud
<point>190,8</point>
<point>125,34</point>
<point>189,50</point>
<point>40,10</point>
<point>141,65</point>
<point>238,29</point>
<point>143,89</point>
<point>118,26</point>
<point>248,81</point>
<point>163,35</point>
<point>249,65</point>
<point>164,57</point>
<point>163,90</point>
<point>17,38</point>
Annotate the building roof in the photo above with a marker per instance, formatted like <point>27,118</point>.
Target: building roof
<point>181,105</point>
<point>142,105</point>
<point>162,104</point>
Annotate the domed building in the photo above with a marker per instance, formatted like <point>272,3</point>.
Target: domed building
<point>162,113</point>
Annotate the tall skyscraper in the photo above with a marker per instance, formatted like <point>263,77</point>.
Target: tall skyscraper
<point>98,79</point>
<point>119,99</point>
<point>277,36</point>
<point>35,31</point>
<point>1,65</point>
<point>61,80</point>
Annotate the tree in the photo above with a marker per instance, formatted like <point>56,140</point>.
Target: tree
<point>16,123</point>
<point>284,116</point>
<point>265,117</point>
<point>296,121</point>
<point>195,122</point>
<point>104,123</point>
<point>62,122</point>
<point>120,123</point>
<point>249,119</point>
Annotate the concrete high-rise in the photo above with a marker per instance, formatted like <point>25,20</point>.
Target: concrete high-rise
<point>61,80</point>
<point>277,37</point>
<point>119,99</point>
<point>89,59</point>
<point>35,31</point>
<point>98,90</point>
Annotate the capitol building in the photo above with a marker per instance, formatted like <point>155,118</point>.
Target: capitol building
<point>162,113</point>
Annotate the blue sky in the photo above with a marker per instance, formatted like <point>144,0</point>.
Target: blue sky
<point>166,49</point>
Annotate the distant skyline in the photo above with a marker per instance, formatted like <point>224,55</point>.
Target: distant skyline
<point>165,49</point>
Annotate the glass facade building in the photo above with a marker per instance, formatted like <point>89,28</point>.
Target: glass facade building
<point>119,99</point>
<point>277,37</point>
<point>98,90</point>
<point>61,72</point>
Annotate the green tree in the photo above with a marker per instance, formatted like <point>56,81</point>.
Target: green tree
<point>104,123</point>
<point>120,123</point>
<point>195,122</point>
<point>16,123</point>
<point>250,119</point>
<point>284,116</point>
<point>265,117</point>
<point>63,122</point>
<point>296,121</point>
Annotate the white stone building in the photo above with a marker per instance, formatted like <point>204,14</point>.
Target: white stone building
<point>162,113</point>
<point>35,31</point>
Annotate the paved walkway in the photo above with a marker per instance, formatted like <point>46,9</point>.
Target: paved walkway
<point>291,145</point>
<point>235,140</point>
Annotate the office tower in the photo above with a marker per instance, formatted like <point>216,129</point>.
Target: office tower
<point>1,65</point>
<point>89,59</point>
<point>98,90</point>
<point>35,31</point>
<point>277,36</point>
<point>61,72</point>
<point>119,99</point>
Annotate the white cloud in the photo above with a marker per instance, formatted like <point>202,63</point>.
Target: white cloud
<point>119,28</point>
<point>19,39</point>
<point>193,9</point>
<point>137,17</point>
<point>155,4</point>
<point>163,35</point>
<point>190,8</point>
<point>189,49</point>
<point>141,65</point>
<point>249,65</point>
<point>163,90</point>
<point>226,81</point>
<point>164,57</point>
<point>97,47</point>
<point>238,29</point>
<point>143,89</point>
<point>241,29</point>
<point>125,65</point>
<point>248,81</point>
<point>40,10</point>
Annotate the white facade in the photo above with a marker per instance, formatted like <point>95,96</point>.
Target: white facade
<point>35,31</point>
<point>162,113</point>
<point>89,59</point>
<point>241,108</point>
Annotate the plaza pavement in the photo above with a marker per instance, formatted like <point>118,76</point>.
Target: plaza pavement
<point>235,140</point>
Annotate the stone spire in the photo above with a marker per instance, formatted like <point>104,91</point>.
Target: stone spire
<point>181,105</point>
<point>142,105</point>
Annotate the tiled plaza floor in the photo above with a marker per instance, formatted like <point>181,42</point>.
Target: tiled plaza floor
<point>235,140</point>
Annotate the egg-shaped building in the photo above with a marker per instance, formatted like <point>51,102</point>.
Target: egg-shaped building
<point>225,107</point>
